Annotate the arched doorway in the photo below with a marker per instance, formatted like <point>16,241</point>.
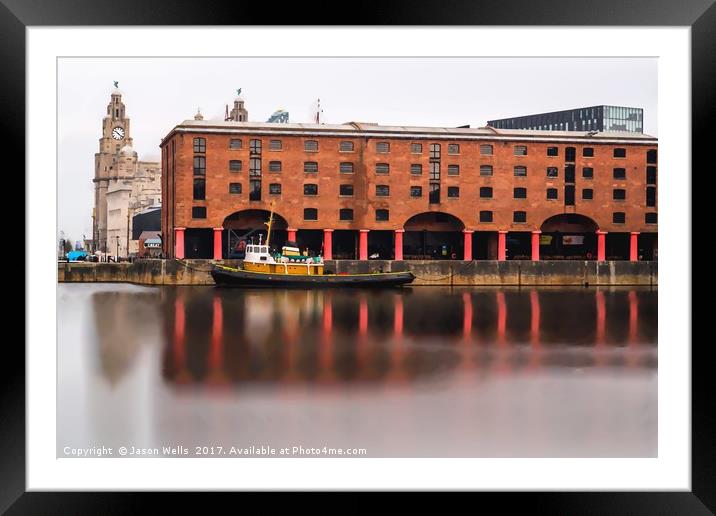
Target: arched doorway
<point>433,236</point>
<point>568,236</point>
<point>242,226</point>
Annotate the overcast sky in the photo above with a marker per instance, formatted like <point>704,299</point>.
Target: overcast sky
<point>159,93</point>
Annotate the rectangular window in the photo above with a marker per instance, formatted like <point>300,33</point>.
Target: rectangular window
<point>587,172</point>
<point>416,148</point>
<point>382,168</point>
<point>520,150</point>
<point>416,169</point>
<point>382,147</point>
<point>618,217</point>
<point>520,193</point>
<point>485,170</point>
<point>199,144</point>
<point>345,214</point>
<point>434,151</point>
<point>346,147</point>
<point>587,193</point>
<point>485,192</point>
<point>416,191</point>
<point>619,153</point>
<point>274,166</point>
<point>453,148</point>
<point>346,167</point>
<point>552,172</point>
<point>651,196</point>
<point>255,166</point>
<point>588,152</point>
<point>234,188</point>
<point>382,190</point>
<point>198,212</point>
<point>310,214</point>
<point>453,170</point>
<point>519,216</point>
<point>382,215</point>
<point>569,174</point>
<point>199,189</point>
<point>486,149</point>
<point>552,193</point>
<point>346,190</point>
<point>235,144</point>
<point>520,171</point>
<point>275,145</point>
<point>310,189</point>
<point>570,154</point>
<point>275,188</point>
<point>651,156</point>
<point>619,194</point>
<point>199,166</point>
<point>310,146</point>
<point>552,151</point>
<point>254,146</point>
<point>310,166</point>
<point>569,195</point>
<point>453,192</point>
<point>619,173</point>
<point>255,190</point>
<point>485,216</point>
<point>651,175</point>
<point>235,165</point>
<point>650,218</point>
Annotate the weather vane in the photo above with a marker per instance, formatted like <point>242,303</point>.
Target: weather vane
<point>238,92</point>
<point>116,84</point>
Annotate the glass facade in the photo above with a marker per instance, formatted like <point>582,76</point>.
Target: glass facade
<point>595,118</point>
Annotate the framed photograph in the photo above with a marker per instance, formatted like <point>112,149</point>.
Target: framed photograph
<point>443,232</point>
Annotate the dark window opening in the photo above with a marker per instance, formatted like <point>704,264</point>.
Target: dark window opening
<point>310,166</point>
<point>255,190</point>
<point>619,153</point>
<point>520,171</point>
<point>345,214</point>
<point>346,167</point>
<point>453,192</point>
<point>434,195</point>
<point>520,193</point>
<point>382,190</point>
<point>485,216</point>
<point>569,174</point>
<point>587,173</point>
<point>199,189</point>
<point>234,188</point>
<point>651,156</point>
<point>588,152</point>
<point>587,193</point>
<point>619,217</point>
<point>650,218</point>
<point>346,190</point>
<point>651,196</point>
<point>552,151</point>
<point>651,175</point>
<point>519,216</point>
<point>310,214</point>
<point>570,154</point>
<point>198,212</point>
<point>619,194</point>
<point>275,188</point>
<point>310,189</point>
<point>416,191</point>
<point>569,195</point>
<point>552,172</point>
<point>552,193</point>
<point>619,173</point>
<point>382,215</point>
<point>486,192</point>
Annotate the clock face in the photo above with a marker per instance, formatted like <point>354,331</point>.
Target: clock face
<point>117,133</point>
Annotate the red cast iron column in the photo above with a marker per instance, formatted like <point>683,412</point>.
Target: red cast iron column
<point>363,245</point>
<point>179,243</point>
<point>217,243</point>
<point>501,245</point>
<point>327,244</point>
<point>399,244</point>
<point>634,247</point>
<point>601,245</point>
<point>535,245</point>
<point>467,245</point>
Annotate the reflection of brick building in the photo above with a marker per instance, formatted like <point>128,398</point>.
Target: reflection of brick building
<point>356,189</point>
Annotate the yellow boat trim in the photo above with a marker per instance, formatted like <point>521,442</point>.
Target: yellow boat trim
<point>311,275</point>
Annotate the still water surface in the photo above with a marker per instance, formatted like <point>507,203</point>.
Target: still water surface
<point>421,372</point>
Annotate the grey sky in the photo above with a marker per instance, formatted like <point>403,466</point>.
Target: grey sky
<point>161,92</point>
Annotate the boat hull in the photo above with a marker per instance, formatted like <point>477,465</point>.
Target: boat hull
<point>225,277</point>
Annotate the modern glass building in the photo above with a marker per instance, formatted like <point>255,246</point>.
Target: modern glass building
<point>595,118</point>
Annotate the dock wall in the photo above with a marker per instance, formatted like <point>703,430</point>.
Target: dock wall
<point>432,272</point>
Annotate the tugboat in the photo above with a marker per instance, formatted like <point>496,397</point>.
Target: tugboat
<point>290,268</point>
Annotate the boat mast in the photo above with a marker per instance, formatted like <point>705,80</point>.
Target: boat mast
<point>268,231</point>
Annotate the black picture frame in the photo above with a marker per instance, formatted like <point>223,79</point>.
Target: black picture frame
<point>700,15</point>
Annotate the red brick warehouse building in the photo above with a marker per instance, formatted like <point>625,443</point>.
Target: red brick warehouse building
<point>356,189</point>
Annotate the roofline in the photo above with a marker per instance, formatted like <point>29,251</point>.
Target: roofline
<point>560,111</point>
<point>350,131</point>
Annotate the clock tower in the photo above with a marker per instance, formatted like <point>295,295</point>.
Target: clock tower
<point>115,136</point>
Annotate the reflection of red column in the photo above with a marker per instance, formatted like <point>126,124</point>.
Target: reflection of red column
<point>466,315</point>
<point>535,245</point>
<point>501,245</point>
<point>291,235</point>
<point>325,357</point>
<point>216,352</point>
<point>467,244</point>
<point>181,374</point>
<point>363,245</point>
<point>601,245</point>
<point>398,317</point>
<point>399,244</point>
<point>327,244</point>
<point>179,243</point>
<point>633,316</point>
<point>633,246</point>
<point>534,318</point>
<point>501,317</point>
<point>217,243</point>
<point>601,317</point>
<point>363,316</point>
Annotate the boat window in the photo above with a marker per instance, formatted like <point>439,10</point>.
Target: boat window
<point>263,258</point>
<point>250,249</point>
<point>264,249</point>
